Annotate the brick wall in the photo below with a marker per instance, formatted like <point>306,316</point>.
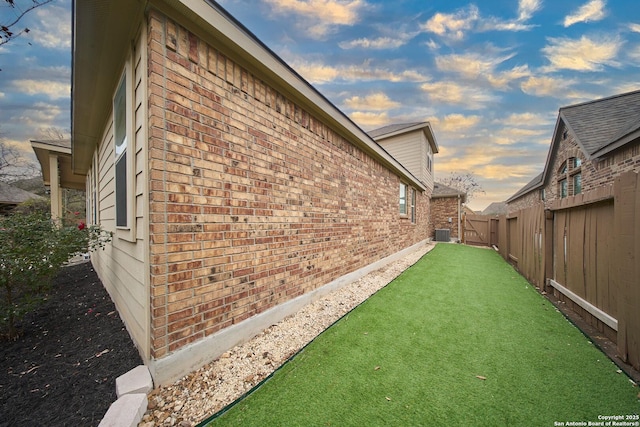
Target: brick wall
<point>528,200</point>
<point>443,208</point>
<point>595,174</point>
<point>253,200</point>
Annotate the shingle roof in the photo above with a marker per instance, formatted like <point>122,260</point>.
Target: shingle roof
<point>496,208</point>
<point>441,190</point>
<point>392,128</point>
<point>530,186</point>
<point>599,123</point>
<point>14,195</point>
<point>62,143</point>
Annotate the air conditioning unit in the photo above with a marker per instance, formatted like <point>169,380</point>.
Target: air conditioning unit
<point>442,235</point>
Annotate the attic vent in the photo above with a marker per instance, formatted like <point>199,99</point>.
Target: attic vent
<point>565,134</point>
<point>442,235</point>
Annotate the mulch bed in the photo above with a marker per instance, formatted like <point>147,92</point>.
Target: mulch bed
<point>62,370</point>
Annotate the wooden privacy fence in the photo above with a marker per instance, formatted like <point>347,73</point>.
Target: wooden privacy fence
<point>586,250</point>
<point>480,230</point>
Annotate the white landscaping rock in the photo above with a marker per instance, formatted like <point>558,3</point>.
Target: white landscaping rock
<point>137,380</point>
<point>127,411</point>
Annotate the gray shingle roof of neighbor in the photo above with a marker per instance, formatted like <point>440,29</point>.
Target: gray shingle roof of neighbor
<point>62,143</point>
<point>495,208</point>
<point>528,187</point>
<point>392,128</point>
<point>14,195</point>
<point>597,124</point>
<point>441,190</point>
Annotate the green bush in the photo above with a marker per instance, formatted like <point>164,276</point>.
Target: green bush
<point>33,248</point>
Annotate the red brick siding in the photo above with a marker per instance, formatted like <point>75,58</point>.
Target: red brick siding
<point>443,208</point>
<point>594,173</point>
<point>528,200</point>
<point>253,200</point>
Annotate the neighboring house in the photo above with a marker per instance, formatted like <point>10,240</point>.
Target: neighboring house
<point>592,143</point>
<point>496,209</point>
<point>413,145</point>
<point>572,230</point>
<point>11,196</point>
<point>55,161</point>
<point>447,210</point>
<point>236,192</point>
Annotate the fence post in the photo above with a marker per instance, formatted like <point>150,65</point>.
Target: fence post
<point>548,248</point>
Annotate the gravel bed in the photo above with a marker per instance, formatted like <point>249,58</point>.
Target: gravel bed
<point>208,390</point>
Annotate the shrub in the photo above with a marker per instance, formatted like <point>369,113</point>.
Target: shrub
<point>33,248</point>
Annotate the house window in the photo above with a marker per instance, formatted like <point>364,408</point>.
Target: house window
<point>121,140</point>
<point>563,188</point>
<point>542,194</point>
<point>413,205</point>
<point>403,199</point>
<point>577,183</point>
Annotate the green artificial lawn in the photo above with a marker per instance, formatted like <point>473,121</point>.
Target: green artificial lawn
<point>460,338</point>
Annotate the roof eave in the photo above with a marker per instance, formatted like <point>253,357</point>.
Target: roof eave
<point>110,34</point>
<point>633,136</point>
<point>104,27</point>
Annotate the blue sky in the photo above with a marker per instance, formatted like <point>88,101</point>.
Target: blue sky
<point>489,76</point>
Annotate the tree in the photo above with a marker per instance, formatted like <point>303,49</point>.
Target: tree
<point>13,165</point>
<point>463,182</point>
<point>18,9</point>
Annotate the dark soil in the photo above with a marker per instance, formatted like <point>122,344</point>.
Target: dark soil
<point>62,370</point>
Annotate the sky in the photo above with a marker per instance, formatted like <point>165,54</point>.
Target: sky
<point>489,76</point>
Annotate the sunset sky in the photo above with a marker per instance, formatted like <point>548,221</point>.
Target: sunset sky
<point>489,76</point>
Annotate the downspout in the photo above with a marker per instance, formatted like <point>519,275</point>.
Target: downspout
<point>459,214</point>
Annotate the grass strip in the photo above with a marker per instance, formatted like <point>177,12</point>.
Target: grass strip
<point>458,338</point>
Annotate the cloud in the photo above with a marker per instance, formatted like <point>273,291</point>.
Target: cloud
<point>432,44</point>
<point>52,89</point>
<point>449,92</point>
<point>319,17</point>
<point>634,53</point>
<point>526,9</point>
<point>320,73</point>
<point>592,11</point>
<point>502,172</point>
<point>454,123</point>
<point>378,43</point>
<point>525,119</point>
<point>634,27</point>
<point>452,25</point>
<point>545,86</point>
<point>369,119</point>
<point>475,65</point>
<point>375,101</point>
<point>584,54</point>
<point>513,135</point>
<point>53,29</point>
<point>39,115</point>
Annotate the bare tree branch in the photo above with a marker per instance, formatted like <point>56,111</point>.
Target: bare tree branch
<point>463,182</point>
<point>6,32</point>
<point>13,165</point>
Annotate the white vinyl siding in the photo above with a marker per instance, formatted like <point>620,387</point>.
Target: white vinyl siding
<point>412,150</point>
<point>123,266</point>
